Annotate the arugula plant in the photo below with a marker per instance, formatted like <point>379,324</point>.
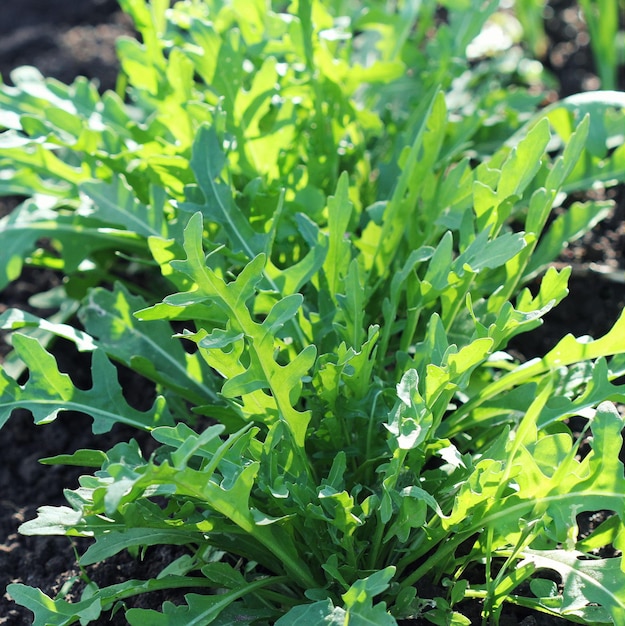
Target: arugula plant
<point>293,230</point>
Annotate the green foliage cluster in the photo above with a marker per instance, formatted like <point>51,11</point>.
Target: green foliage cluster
<point>312,227</point>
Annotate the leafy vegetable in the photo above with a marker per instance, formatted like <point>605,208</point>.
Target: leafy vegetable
<point>292,225</point>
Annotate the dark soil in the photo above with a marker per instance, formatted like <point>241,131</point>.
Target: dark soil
<point>69,38</point>
<point>62,39</point>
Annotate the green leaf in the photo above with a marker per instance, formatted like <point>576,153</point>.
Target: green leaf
<point>483,253</point>
<point>585,582</point>
<point>52,520</point>
<point>43,162</point>
<point>359,600</point>
<point>208,162</point>
<point>114,542</point>
<point>14,319</point>
<point>186,443</point>
<point>262,371</point>
<point>597,388</point>
<point>80,458</point>
<point>206,52</point>
<point>218,610</point>
<point>567,351</point>
<point>224,575</point>
<point>335,203</point>
<point>146,346</point>
<point>601,108</point>
<point>595,104</point>
<point>338,258</point>
<point>578,219</point>
<point>116,203</point>
<point>352,306</point>
<point>49,612</point>
<point>418,164</point>
<point>316,614</point>
<point>523,161</point>
<point>224,485</point>
<point>48,391</point>
<point>33,220</point>
<point>359,611</point>
<point>564,164</point>
<point>411,420</point>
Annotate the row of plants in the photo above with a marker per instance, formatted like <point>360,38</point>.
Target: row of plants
<point>315,227</point>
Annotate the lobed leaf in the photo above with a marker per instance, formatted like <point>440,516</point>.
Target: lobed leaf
<point>585,582</point>
<point>146,346</point>
<point>208,162</point>
<point>49,612</point>
<point>79,237</point>
<point>48,392</point>
<point>262,372</point>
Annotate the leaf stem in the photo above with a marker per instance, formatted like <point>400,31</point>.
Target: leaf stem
<point>376,543</point>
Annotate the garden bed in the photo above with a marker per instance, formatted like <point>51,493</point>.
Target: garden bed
<point>66,39</point>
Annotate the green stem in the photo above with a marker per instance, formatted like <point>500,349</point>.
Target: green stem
<point>381,526</point>
<point>369,480</point>
<point>429,566</point>
<point>410,328</point>
<point>529,603</point>
<point>376,544</point>
<point>490,584</point>
<point>129,588</point>
<point>459,300</point>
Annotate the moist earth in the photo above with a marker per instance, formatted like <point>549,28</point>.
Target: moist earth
<point>66,39</point>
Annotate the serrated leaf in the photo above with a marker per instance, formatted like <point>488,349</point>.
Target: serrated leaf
<point>597,388</point>
<point>25,225</point>
<point>208,43</point>
<point>49,612</point>
<point>585,582</point>
<point>199,610</point>
<point>116,203</point>
<point>359,608</point>
<point>147,346</point>
<point>567,351</point>
<point>595,104</point>
<point>377,615</point>
<point>48,391</point>
<point>352,305</point>
<point>419,162</point>
<point>227,494</point>
<point>569,114</point>
<point>207,162</point>
<point>359,600</point>
<point>262,371</point>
